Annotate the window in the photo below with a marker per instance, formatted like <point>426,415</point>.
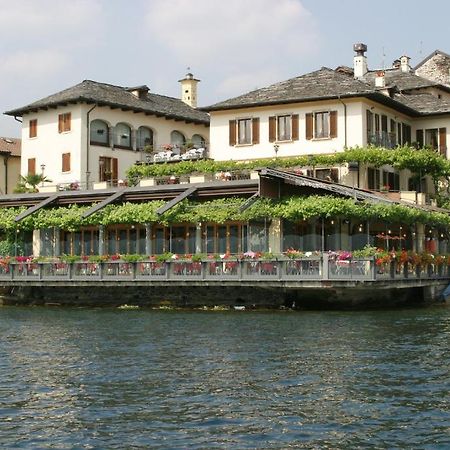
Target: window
<point>435,138</point>
<point>321,125</point>
<point>31,166</point>
<point>108,169</point>
<point>198,141</point>
<point>283,128</point>
<point>244,131</point>
<point>144,138</point>
<point>99,133</point>
<point>177,139</point>
<point>64,122</point>
<point>122,136</point>
<point>66,162</point>
<point>33,128</point>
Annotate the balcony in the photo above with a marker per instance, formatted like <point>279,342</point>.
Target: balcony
<point>382,139</point>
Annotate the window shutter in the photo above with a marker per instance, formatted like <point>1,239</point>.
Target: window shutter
<point>115,169</point>
<point>255,130</point>
<point>60,123</point>
<point>232,132</point>
<point>66,162</point>
<point>272,128</point>
<point>295,127</point>
<point>443,141</point>
<point>31,166</point>
<point>67,121</point>
<point>419,138</point>
<point>309,126</point>
<point>32,132</point>
<point>333,124</point>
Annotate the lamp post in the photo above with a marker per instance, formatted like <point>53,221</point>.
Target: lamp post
<point>276,147</point>
<point>42,174</point>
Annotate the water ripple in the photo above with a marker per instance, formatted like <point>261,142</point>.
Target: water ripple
<point>90,378</point>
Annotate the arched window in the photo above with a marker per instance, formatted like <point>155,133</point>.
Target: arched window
<point>144,137</point>
<point>198,141</point>
<point>122,136</point>
<point>99,132</point>
<point>177,139</point>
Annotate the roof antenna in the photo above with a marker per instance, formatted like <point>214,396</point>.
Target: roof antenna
<point>383,61</point>
<point>421,48</point>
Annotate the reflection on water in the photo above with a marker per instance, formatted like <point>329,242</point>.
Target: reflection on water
<point>146,379</point>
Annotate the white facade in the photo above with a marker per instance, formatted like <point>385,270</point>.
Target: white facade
<point>49,145</point>
<point>351,129</point>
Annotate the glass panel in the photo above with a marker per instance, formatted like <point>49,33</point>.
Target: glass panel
<point>257,237</point>
<point>222,232</point>
<point>191,240</point>
<point>209,240</point>
<point>95,242</point>
<point>122,135</point>
<point>77,243</point>
<point>47,236</point>
<point>198,141</point>
<point>67,238</point>
<point>87,242</point>
<point>111,242</point>
<point>159,241</point>
<point>141,241</point>
<point>244,131</point>
<point>123,242</point>
<point>178,240</point>
<point>284,128</point>
<point>99,132</point>
<point>177,139</point>
<point>234,239</point>
<point>144,137</point>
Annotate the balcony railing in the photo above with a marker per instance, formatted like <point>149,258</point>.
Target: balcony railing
<point>317,268</point>
<point>383,139</point>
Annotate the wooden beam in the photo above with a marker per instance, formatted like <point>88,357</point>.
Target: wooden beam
<point>29,211</point>
<point>103,203</point>
<point>176,200</point>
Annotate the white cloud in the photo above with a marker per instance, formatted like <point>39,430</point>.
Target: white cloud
<point>240,44</point>
<point>35,64</point>
<point>40,18</point>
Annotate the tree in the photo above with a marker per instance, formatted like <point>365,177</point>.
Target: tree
<point>30,182</point>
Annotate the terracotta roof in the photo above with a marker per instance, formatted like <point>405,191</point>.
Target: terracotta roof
<point>10,145</point>
<point>117,96</point>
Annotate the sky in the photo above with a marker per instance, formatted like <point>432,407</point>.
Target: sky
<point>232,46</point>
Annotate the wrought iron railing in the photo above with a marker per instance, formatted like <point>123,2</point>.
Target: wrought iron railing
<point>319,268</point>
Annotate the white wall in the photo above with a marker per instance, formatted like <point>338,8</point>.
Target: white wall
<point>351,135</point>
<point>49,145</point>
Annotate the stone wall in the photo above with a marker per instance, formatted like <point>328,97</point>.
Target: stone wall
<point>437,68</point>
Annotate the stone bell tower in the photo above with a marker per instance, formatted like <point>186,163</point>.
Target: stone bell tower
<point>189,90</point>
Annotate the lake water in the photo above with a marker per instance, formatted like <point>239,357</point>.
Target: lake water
<point>102,378</point>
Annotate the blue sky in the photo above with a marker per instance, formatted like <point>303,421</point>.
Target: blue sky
<point>233,46</point>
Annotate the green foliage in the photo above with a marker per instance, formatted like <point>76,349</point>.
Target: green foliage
<point>30,183</point>
<point>423,161</point>
<point>133,258</point>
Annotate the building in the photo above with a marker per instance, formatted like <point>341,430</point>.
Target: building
<point>92,132</point>
<point>9,164</point>
<point>328,110</point>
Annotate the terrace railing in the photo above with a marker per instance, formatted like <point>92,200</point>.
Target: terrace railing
<point>318,268</point>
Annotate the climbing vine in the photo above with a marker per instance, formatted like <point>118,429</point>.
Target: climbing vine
<point>222,210</point>
<point>423,161</point>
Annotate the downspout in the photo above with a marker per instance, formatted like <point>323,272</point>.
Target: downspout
<point>88,145</point>
<point>345,132</point>
<point>18,120</point>
<point>5,162</point>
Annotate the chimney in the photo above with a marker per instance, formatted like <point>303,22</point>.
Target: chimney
<point>189,90</point>
<point>380,80</point>
<point>404,63</point>
<point>360,60</point>
<point>396,64</point>
<point>139,91</point>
